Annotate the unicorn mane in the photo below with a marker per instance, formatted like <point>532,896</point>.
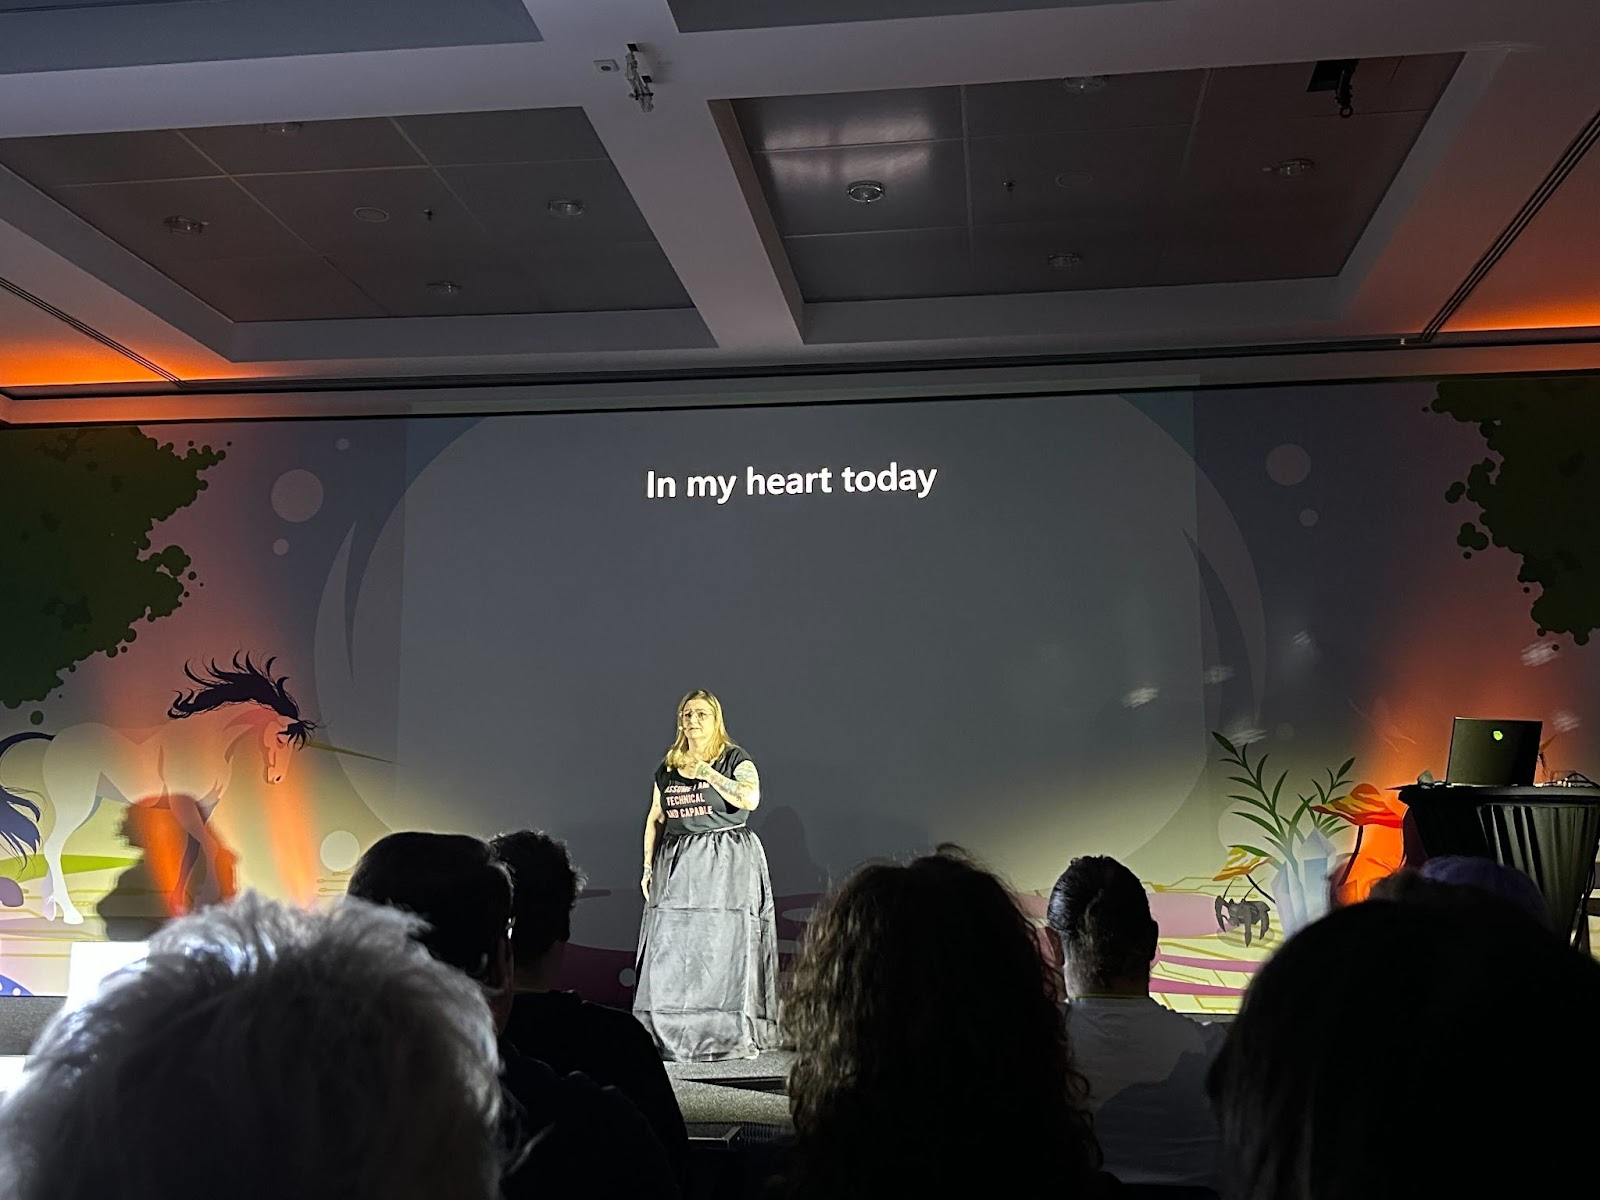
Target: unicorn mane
<point>245,683</point>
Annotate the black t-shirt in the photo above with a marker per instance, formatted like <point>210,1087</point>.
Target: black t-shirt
<point>565,1135</point>
<point>693,805</point>
<point>610,1047</point>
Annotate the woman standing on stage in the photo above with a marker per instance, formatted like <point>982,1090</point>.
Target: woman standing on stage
<point>708,945</point>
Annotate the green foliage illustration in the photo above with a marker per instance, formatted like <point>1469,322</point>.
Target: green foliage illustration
<point>1535,495</point>
<point>1262,803</point>
<point>76,558</point>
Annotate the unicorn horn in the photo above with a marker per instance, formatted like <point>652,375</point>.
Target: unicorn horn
<point>341,750</point>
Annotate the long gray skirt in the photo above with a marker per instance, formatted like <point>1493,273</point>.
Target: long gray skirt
<point>708,949</point>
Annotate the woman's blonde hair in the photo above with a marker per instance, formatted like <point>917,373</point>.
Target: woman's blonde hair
<point>678,755</point>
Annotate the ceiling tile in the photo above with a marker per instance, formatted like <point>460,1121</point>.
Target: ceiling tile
<point>1240,246</point>
<point>850,118</point>
<point>132,214</point>
<point>48,162</point>
<point>407,286</point>
<point>1046,106</point>
<point>700,16</point>
<point>604,278</point>
<point>288,288</point>
<point>422,214</point>
<point>1279,90</point>
<point>1075,176</point>
<point>512,200</point>
<point>925,187</point>
<point>1018,258</point>
<point>882,266</point>
<point>515,135</point>
<point>1230,166</point>
<point>1418,82</point>
<point>311,146</point>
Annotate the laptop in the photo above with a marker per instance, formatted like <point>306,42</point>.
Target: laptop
<point>1493,753</point>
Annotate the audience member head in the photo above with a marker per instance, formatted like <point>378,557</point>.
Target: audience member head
<point>1400,1049</point>
<point>1455,871</point>
<point>460,891</point>
<point>545,887</point>
<point>1100,911</point>
<point>927,1048</point>
<point>261,1052</point>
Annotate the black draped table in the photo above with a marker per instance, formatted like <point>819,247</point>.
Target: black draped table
<point>1550,834</point>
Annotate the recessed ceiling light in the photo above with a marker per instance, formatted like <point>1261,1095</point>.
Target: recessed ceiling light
<point>1082,85</point>
<point>565,208</point>
<point>865,191</point>
<point>373,216</point>
<point>184,225</point>
<point>1062,260</point>
<point>443,287</point>
<point>1291,168</point>
<point>1074,179</point>
<point>281,128</point>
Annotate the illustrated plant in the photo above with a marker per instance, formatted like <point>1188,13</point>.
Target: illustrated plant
<point>1363,807</point>
<point>1259,804</point>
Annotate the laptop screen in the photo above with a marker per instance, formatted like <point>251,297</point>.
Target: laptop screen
<point>1486,753</point>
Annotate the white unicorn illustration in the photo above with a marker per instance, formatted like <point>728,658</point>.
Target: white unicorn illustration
<point>235,718</point>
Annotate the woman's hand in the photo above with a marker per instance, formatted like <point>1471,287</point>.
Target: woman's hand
<point>644,881</point>
<point>694,770</point>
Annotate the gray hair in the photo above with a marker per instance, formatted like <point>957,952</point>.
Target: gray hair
<point>262,1051</point>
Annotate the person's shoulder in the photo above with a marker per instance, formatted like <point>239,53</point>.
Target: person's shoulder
<point>1203,1034</point>
<point>736,754</point>
<point>620,1028</point>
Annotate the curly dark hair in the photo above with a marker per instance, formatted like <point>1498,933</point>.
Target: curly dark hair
<point>1100,911</point>
<point>928,1048</point>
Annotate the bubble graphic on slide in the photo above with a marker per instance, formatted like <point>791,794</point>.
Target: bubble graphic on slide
<point>1308,517</point>
<point>340,850</point>
<point>626,977</point>
<point>280,547</point>
<point>297,495</point>
<point>342,444</point>
<point>1288,464</point>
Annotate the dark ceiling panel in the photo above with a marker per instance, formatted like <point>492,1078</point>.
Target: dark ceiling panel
<point>703,16</point>
<point>1378,85</point>
<point>1056,257</point>
<point>413,285</point>
<point>402,210</point>
<point>603,278</point>
<point>54,36</point>
<point>1146,180</point>
<point>1230,166</point>
<point>282,288</point>
<point>305,146</point>
<point>512,200</point>
<point>850,118</point>
<point>1103,102</point>
<point>12,6</point>
<point>924,182</point>
<point>525,135</point>
<point>1078,176</point>
<point>48,162</point>
<point>878,266</point>
<point>133,214</point>
<point>300,234</point>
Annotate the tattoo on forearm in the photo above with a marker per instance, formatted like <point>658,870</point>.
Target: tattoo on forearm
<point>743,790</point>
